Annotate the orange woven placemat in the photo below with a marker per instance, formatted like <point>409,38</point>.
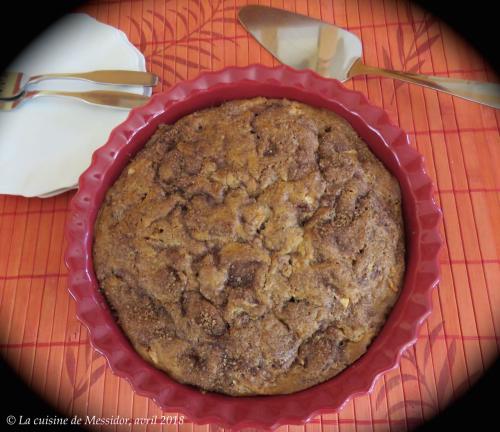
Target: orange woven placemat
<point>41,337</point>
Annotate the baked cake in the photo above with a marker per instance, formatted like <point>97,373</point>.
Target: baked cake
<point>252,248</point>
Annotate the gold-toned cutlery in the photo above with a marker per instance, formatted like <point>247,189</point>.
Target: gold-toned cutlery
<point>12,84</point>
<point>306,43</point>
<point>97,97</point>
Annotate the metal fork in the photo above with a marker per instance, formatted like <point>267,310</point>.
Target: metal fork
<point>12,84</point>
<point>98,97</point>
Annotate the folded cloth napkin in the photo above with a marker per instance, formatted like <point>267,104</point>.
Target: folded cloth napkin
<point>45,144</point>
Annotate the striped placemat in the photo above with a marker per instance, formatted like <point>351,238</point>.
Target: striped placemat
<point>41,337</point>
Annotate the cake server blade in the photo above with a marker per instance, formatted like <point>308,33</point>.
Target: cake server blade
<point>302,42</point>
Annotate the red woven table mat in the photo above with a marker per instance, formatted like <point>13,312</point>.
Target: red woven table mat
<point>41,337</point>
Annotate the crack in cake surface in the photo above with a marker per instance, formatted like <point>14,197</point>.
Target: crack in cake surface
<point>269,234</point>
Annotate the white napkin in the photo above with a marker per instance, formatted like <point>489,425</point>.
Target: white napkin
<point>45,144</point>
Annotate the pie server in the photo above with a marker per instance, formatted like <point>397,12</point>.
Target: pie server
<point>307,43</point>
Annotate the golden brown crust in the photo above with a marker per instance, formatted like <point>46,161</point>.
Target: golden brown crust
<point>252,248</point>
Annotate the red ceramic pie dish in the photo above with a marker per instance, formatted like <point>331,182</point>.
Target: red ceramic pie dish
<point>388,143</point>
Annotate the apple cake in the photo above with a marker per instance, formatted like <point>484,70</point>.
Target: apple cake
<point>252,248</point>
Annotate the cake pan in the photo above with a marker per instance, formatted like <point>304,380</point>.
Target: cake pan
<point>421,215</point>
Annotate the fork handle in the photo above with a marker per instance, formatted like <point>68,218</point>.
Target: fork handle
<point>97,97</point>
<point>118,77</point>
<point>485,93</point>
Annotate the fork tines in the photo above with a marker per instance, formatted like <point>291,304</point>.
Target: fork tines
<point>8,85</point>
